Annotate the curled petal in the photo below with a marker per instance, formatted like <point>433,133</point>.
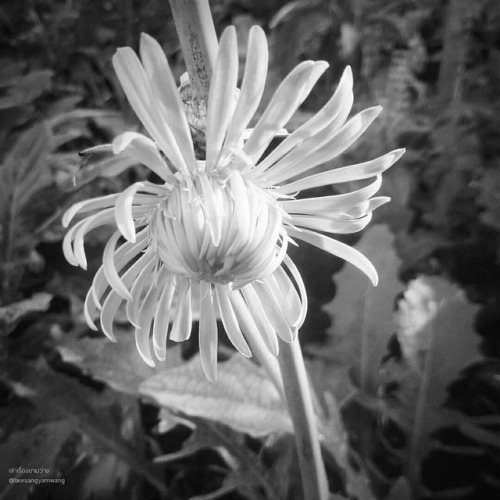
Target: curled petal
<point>143,150</point>
<point>230,321</point>
<point>350,173</point>
<point>110,270</point>
<point>123,211</point>
<point>338,249</point>
<point>88,206</point>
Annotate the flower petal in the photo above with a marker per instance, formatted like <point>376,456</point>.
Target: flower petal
<point>162,319</point>
<point>320,148</point>
<point>222,96</point>
<point>350,173</point>
<point>208,332</point>
<point>143,150</point>
<point>333,113</point>
<point>330,204</point>
<point>136,85</point>
<point>334,225</point>
<point>230,321</point>
<point>123,211</point>
<point>165,90</point>
<point>182,322</point>
<point>252,86</point>
<point>259,316</point>
<point>338,249</point>
<point>87,206</point>
<point>110,270</point>
<point>285,101</point>
<point>273,310</point>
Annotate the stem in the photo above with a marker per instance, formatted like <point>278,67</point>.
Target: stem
<point>298,396</point>
<point>195,27</point>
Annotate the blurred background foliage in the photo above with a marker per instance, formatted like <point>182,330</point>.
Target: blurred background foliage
<point>407,375</point>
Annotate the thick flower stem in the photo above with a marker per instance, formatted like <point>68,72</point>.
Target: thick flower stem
<point>299,400</point>
<point>195,27</point>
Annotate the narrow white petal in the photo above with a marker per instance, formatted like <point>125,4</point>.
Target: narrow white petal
<point>338,249</point>
<point>123,211</point>
<point>333,113</point>
<point>144,346</point>
<point>285,292</point>
<point>89,310</point>
<point>182,323</point>
<point>208,332</point>
<point>213,209</point>
<point>110,270</point>
<point>241,206</point>
<point>273,310</point>
<point>252,86</point>
<point>83,227</point>
<point>334,225</point>
<point>143,150</point>
<point>259,316</point>
<point>299,283</point>
<point>350,173</point>
<point>324,205</point>
<point>162,319</point>
<point>165,89</point>
<point>141,273</point>
<point>108,313</point>
<point>285,101</point>
<point>321,148</point>
<point>138,90</point>
<point>87,206</point>
<point>230,321</point>
<point>222,96</point>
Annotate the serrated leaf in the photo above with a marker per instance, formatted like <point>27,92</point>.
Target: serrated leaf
<point>362,315</point>
<point>117,364</point>
<point>436,332</point>
<point>242,397</point>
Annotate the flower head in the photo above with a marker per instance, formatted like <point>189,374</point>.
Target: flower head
<point>216,231</point>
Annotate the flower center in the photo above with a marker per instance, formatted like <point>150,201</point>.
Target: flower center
<point>219,229</point>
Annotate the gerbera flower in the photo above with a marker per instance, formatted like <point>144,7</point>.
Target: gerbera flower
<point>216,231</point>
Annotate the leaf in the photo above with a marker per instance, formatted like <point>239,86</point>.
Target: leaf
<point>11,314</point>
<point>93,413</point>
<point>437,338</point>
<point>242,397</point>
<point>361,314</point>
<point>31,453</point>
<point>117,364</point>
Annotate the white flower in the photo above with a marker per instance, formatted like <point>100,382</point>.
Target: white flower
<point>217,230</point>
